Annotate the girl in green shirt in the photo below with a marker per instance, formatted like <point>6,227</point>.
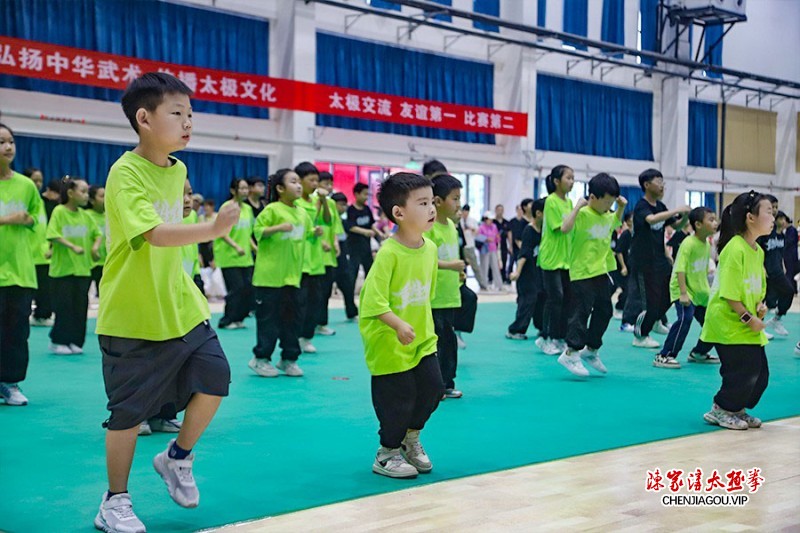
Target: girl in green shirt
<point>43,312</point>
<point>232,255</point>
<point>97,212</point>
<point>76,244</point>
<point>734,320</point>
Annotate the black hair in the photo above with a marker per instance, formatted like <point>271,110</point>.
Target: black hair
<point>324,175</point>
<point>698,214</point>
<point>148,91</point>
<point>93,194</point>
<point>734,216</point>
<point>339,197</point>
<point>305,169</point>
<point>3,126</point>
<point>465,207</point>
<point>28,172</point>
<point>443,184</point>
<point>538,205</point>
<point>396,189</point>
<point>235,186</point>
<point>628,216</point>
<point>274,180</point>
<point>781,214</point>
<point>772,199</point>
<point>360,187</point>
<point>68,183</point>
<point>602,184</point>
<point>556,174</point>
<point>649,175</point>
<point>433,167</point>
<point>54,185</point>
<point>255,179</point>
<point>524,203</point>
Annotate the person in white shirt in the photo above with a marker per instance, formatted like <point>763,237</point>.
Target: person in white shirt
<point>470,228</point>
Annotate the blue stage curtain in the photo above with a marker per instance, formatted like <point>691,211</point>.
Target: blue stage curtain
<point>588,118</point>
<point>632,193</point>
<point>370,66</point>
<point>715,58</point>
<point>613,26</point>
<point>147,29</point>
<point>541,13</point>
<point>380,4</point>
<point>702,134</point>
<point>648,9</point>
<point>486,7</point>
<point>209,173</point>
<point>576,20</point>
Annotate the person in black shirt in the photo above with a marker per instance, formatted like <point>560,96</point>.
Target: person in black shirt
<point>515,228</point>
<point>790,248</point>
<point>528,275</point>
<point>675,241</point>
<point>779,290</point>
<point>503,229</point>
<point>51,197</point>
<point>648,253</point>
<point>256,196</point>
<point>621,244</point>
<point>360,229</point>
<point>342,274</point>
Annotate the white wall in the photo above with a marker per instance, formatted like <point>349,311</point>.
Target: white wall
<point>766,44</point>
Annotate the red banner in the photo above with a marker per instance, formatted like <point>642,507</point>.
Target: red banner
<point>32,59</point>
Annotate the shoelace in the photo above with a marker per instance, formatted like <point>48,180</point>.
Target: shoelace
<point>395,461</point>
<point>123,511</point>
<point>415,446</point>
<point>184,473</point>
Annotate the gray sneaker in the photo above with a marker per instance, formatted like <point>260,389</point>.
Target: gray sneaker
<point>571,360</point>
<point>263,368</point>
<point>592,358</point>
<point>145,429</point>
<point>177,474</point>
<point>752,422</point>
<point>390,462</point>
<point>516,336</point>
<point>726,419</point>
<point>662,361</point>
<point>705,358</point>
<point>116,515</point>
<point>11,393</point>
<point>290,368</point>
<point>165,426</point>
<point>414,453</point>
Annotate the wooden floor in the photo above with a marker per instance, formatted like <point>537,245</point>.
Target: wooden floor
<point>596,492</point>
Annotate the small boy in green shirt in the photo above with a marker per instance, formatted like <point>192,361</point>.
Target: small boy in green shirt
<point>689,290</point>
<point>592,259</point>
<point>447,198</point>
<point>397,327</point>
<point>153,324</point>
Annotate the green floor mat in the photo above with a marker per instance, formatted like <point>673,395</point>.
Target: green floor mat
<point>284,444</point>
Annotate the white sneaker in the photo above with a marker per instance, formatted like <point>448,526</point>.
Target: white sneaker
<point>777,326</point>
<point>769,335</point>
<point>325,331</point>
<point>238,325</point>
<point>720,417</point>
<point>645,342</point>
<point>592,358</point>
<point>414,453</point>
<point>661,328</point>
<point>263,368</point>
<point>165,426</point>
<point>516,336</point>
<point>290,368</point>
<point>551,347</point>
<point>306,346</point>
<point>391,463</point>
<point>752,421</point>
<point>145,429</point>
<point>626,328</point>
<point>41,322</point>
<point>460,342</point>
<point>539,342</point>
<point>571,360</point>
<point>177,474</point>
<point>116,515</point>
<point>60,349</point>
<point>11,393</point>
<point>77,350</point>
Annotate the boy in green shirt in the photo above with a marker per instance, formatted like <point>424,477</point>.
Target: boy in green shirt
<point>153,328</point>
<point>689,290</point>
<point>397,327</point>
<point>592,259</point>
<point>447,299</point>
<point>332,251</point>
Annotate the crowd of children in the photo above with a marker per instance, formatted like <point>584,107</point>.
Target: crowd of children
<point>141,240</point>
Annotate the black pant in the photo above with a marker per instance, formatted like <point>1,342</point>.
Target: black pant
<point>360,256</point>
<point>71,303</point>
<point>592,297</point>
<point>633,300</point>
<point>406,400</point>
<point>779,293</point>
<point>310,303</point>
<point>504,260</point>
<point>15,308</point>
<point>621,282</point>
<point>326,288</point>
<point>527,301</point>
<point>464,318</point>
<point>277,310</point>
<point>43,294</point>
<point>198,281</point>
<point>447,346</point>
<point>745,375</point>
<point>239,300</point>
<point>343,277</point>
<point>654,290</point>
<point>97,275</point>
<point>556,286</point>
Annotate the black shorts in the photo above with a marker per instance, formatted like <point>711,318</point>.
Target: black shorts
<point>141,376</point>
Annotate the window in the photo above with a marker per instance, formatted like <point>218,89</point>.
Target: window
<point>639,36</point>
<point>475,192</point>
<point>695,199</point>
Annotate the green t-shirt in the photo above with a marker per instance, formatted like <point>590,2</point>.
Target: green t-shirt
<point>99,221</point>
<point>740,277</point>
<point>401,280</point>
<point>692,260</point>
<point>279,261</point>
<point>145,293</point>
<point>554,250</point>
<point>592,255</point>
<point>448,284</point>
<point>314,256</point>
<point>78,228</point>
<point>39,243</point>
<point>190,253</point>
<point>18,193</point>
<point>331,233</point>
<point>225,255</point>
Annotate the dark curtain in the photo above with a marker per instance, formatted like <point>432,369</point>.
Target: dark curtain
<point>541,13</point>
<point>702,134</point>
<point>648,9</point>
<point>613,26</point>
<point>486,7</point>
<point>380,4</point>
<point>632,193</point>
<point>715,57</point>
<point>576,19</point>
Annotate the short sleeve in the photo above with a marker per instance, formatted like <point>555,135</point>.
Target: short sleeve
<point>36,207</point>
<point>731,274</point>
<point>552,215</point>
<point>263,221</point>
<point>682,261</point>
<point>640,214</point>
<point>526,249</point>
<point>376,290</point>
<point>55,225</point>
<point>135,210</point>
<point>435,276</point>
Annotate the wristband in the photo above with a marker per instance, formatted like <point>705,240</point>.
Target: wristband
<point>746,317</point>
